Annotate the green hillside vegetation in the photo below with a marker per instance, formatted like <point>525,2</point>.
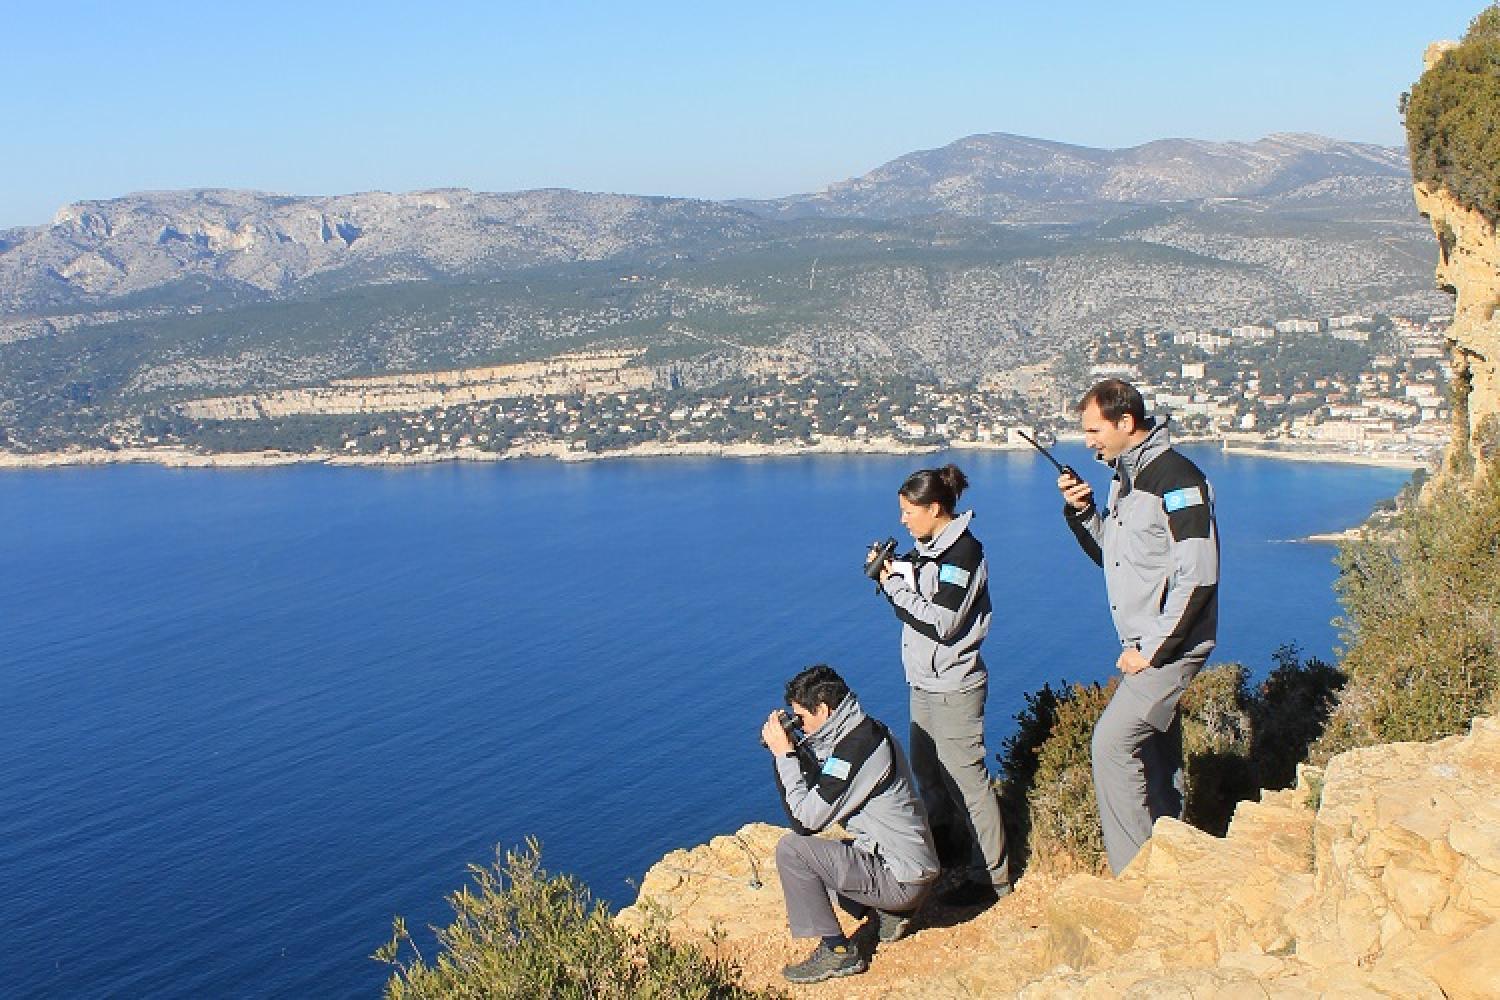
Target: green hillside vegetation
<point>1422,631</point>
<point>1453,119</point>
<point>520,933</point>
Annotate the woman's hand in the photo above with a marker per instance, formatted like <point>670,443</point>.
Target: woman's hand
<point>885,571</point>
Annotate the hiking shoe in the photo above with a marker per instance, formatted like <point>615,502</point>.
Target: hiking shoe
<point>893,926</point>
<point>826,963</point>
<point>971,893</point>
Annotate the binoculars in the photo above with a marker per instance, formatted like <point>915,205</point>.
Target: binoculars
<point>879,553</point>
<point>789,725</point>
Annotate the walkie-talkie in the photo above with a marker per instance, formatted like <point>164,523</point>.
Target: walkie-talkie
<point>1066,470</point>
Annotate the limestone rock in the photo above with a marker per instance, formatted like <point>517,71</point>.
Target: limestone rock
<point>1390,889</point>
<point>1469,266</point>
<point>1470,969</point>
<point>1406,846</point>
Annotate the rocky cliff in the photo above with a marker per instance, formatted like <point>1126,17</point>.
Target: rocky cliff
<point>1017,179</point>
<point>1469,268</point>
<point>187,247</point>
<point>1377,877</point>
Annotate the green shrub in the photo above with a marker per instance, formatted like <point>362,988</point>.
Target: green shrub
<point>1217,768</point>
<point>1235,742</point>
<point>1422,620</point>
<point>520,933</point>
<point>1019,759</point>
<point>1453,119</point>
<point>1048,782</point>
<point>1288,713</point>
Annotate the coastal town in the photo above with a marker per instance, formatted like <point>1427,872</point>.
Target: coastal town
<point>1355,387</point>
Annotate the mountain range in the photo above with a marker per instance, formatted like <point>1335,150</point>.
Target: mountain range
<point>993,251</point>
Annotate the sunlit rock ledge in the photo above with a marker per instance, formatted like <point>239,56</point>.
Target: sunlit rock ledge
<point>1377,877</point>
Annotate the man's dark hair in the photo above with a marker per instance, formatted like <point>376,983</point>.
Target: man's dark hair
<point>1116,398</point>
<point>818,685</point>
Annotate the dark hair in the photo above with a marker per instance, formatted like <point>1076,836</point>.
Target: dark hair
<point>818,685</point>
<point>940,486</point>
<point>1115,399</point>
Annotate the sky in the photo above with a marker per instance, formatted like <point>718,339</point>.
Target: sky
<point>698,99</point>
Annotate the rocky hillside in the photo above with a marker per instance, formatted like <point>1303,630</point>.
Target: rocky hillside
<point>184,247</point>
<point>120,309</point>
<point>1016,179</point>
<point>1378,877</point>
<point>196,245</point>
<point>1469,267</point>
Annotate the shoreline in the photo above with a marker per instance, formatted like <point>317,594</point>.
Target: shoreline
<point>1380,460</point>
<point>187,459</point>
<point>184,458</point>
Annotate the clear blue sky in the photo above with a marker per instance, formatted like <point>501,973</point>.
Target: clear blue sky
<point>694,99</point>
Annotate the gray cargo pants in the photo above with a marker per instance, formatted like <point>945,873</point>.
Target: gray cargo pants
<point>1137,756</point>
<point>816,872</point>
<point>947,758</point>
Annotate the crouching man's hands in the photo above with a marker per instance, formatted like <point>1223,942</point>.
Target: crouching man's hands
<point>774,737</point>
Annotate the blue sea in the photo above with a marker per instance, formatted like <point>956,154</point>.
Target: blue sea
<point>250,715</point>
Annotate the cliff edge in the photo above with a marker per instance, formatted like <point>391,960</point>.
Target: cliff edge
<point>1469,268</point>
<point>1376,877</point>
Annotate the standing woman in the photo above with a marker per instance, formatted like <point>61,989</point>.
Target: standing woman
<point>944,605</point>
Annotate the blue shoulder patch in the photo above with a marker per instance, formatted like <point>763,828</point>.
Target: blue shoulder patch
<point>1178,499</point>
<point>955,575</point>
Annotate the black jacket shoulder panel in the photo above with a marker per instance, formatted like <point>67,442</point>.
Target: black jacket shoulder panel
<point>854,750</point>
<point>965,553</point>
<point>1167,472</point>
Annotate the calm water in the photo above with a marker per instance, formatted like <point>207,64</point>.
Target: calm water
<point>247,716</point>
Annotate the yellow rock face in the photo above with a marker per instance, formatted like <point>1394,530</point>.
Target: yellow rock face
<point>1469,266</point>
<point>1390,889</point>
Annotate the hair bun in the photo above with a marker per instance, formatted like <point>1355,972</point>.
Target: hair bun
<point>955,480</point>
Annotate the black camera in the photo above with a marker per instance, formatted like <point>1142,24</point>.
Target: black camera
<point>879,553</point>
<point>789,725</point>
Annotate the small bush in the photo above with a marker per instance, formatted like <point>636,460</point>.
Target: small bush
<point>1288,713</point>
<point>1453,119</point>
<point>1059,811</point>
<point>1235,742</point>
<point>1217,768</point>
<point>1019,760</point>
<point>520,933</point>
<point>1422,620</point>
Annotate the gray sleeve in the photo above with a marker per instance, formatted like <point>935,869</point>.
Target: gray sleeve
<point>950,607</point>
<point>836,796</point>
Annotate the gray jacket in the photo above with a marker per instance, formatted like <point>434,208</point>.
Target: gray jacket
<point>1159,546</point>
<point>851,771</point>
<point>947,615</point>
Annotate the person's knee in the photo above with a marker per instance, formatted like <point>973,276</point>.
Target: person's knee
<point>958,751</point>
<point>1109,746</point>
<point>789,852</point>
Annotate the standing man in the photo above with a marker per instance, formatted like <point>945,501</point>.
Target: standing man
<point>845,769</point>
<point>1159,548</point>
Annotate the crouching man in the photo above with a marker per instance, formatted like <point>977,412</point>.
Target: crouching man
<point>845,768</point>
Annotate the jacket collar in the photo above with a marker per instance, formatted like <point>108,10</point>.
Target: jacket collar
<point>839,724</point>
<point>943,540</point>
<point>1130,462</point>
